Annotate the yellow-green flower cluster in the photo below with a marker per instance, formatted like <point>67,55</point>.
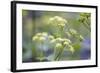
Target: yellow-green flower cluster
<point>75,34</point>
<point>58,45</point>
<point>51,37</point>
<point>61,43</point>
<point>84,17</point>
<point>44,36</point>
<point>85,20</point>
<point>58,21</point>
<point>60,40</point>
<point>40,37</point>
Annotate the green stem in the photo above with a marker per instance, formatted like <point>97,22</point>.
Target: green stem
<point>56,56</point>
<point>41,52</point>
<point>59,55</point>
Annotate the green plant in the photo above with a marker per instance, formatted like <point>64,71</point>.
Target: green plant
<point>85,20</point>
<point>61,39</point>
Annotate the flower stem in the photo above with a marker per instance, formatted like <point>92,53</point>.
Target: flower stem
<point>59,55</point>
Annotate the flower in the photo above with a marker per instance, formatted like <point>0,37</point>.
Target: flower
<point>53,41</point>
<point>38,34</point>
<point>58,21</point>
<point>73,32</point>
<point>59,39</point>
<point>51,37</point>
<point>51,19</point>
<point>58,45</point>
<point>35,38</point>
<point>44,34</point>
<point>76,35</point>
<point>61,25</point>
<point>58,18</point>
<point>66,43</point>
<point>63,41</point>
<point>41,39</point>
<point>66,40</point>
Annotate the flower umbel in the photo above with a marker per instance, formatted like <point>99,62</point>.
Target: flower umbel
<point>40,37</point>
<point>58,45</point>
<point>58,21</point>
